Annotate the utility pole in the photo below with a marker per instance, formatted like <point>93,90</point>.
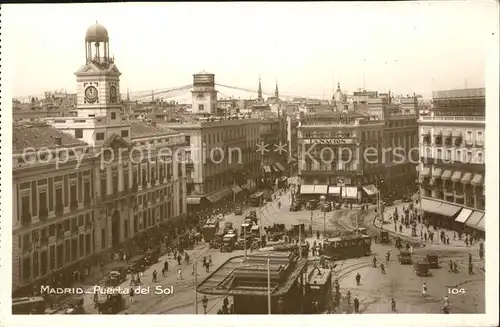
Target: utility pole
<point>245,240</point>
<point>234,195</point>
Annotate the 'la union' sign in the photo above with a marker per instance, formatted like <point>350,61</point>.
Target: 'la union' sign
<point>329,141</point>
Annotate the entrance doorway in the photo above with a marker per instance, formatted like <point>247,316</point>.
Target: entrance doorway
<point>115,228</point>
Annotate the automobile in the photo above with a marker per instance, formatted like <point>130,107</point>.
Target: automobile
<point>404,258</point>
<point>238,211</point>
<point>115,278</point>
<point>432,259</point>
<point>138,265</point>
<point>361,230</point>
<point>384,237</point>
<point>422,268</point>
<point>113,304</point>
<point>407,198</point>
<point>312,204</point>
<point>295,206</point>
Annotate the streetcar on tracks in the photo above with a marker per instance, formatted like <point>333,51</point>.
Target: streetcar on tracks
<point>345,247</point>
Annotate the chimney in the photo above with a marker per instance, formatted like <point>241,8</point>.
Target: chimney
<point>58,140</point>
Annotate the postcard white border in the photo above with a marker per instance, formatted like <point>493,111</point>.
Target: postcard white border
<point>488,319</point>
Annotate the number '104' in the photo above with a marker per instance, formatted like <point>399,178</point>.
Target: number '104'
<point>456,291</point>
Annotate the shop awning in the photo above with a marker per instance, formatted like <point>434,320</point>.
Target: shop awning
<point>267,168</point>
<point>463,215</point>
<point>306,189</point>
<point>437,172</point>
<point>467,177</point>
<point>349,192</point>
<point>439,208</point>
<point>333,190</point>
<point>193,200</point>
<point>457,175</point>
<point>481,223</point>
<point>474,219</point>
<point>218,195</point>
<point>446,174</point>
<point>280,166</point>
<point>477,180</point>
<point>236,189</point>
<point>425,172</point>
<point>370,189</point>
<point>321,189</point>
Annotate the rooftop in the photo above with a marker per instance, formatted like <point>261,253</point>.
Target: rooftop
<point>459,94</point>
<point>139,129</point>
<point>238,276</point>
<point>38,135</point>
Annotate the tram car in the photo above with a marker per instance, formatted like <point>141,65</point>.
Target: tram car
<point>318,291</point>
<point>350,246</point>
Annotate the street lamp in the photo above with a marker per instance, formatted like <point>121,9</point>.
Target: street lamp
<point>205,303</point>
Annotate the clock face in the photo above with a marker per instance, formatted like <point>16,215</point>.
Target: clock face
<point>91,94</point>
<point>112,93</point>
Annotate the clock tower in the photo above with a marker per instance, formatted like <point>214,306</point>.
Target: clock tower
<point>98,90</point>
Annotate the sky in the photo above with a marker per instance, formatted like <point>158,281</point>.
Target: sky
<point>307,47</point>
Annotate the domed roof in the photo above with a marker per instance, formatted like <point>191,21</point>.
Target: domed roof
<point>338,96</point>
<point>97,33</point>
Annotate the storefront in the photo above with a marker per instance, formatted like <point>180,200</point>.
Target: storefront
<point>333,193</point>
<point>216,197</point>
<point>462,218</point>
<point>440,214</point>
<point>313,191</point>
<point>476,223</point>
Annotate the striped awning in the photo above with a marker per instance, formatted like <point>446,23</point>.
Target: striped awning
<point>477,180</point>
<point>481,223</point>
<point>467,177</point>
<point>457,175</point>
<point>446,174</point>
<point>266,168</point>
<point>437,172</point>
<point>463,215</point>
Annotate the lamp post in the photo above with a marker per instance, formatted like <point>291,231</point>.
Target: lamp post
<point>195,286</point>
<point>205,303</point>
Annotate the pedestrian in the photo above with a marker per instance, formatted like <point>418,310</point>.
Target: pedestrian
<point>425,236</point>
<point>450,266</point>
<point>387,256</point>
<point>356,304</point>
<point>165,265</point>
<point>393,305</point>
<point>317,234</point>
<point>374,262</point>
<point>358,279</point>
<point>400,228</point>
<point>132,293</point>
<point>454,236</point>
<point>163,272</point>
<point>424,289</point>
<point>179,259</point>
<point>471,272</point>
<point>207,267</point>
<point>209,259</point>
<point>348,297</point>
<point>410,249</point>
<point>382,268</point>
<point>179,274</point>
<point>466,241</point>
<point>470,258</point>
<point>455,267</point>
<point>447,239</point>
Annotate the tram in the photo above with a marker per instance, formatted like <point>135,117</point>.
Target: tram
<point>318,291</point>
<point>344,247</point>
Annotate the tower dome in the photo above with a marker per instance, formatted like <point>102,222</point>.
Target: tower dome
<point>338,96</point>
<point>97,33</point>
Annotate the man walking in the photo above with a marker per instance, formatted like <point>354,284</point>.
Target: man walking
<point>356,304</point>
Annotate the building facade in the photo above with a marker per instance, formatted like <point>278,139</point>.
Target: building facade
<point>452,160</point>
<point>86,186</point>
<point>359,152</point>
<point>222,160</point>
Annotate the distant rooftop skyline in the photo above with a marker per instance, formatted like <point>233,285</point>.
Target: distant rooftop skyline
<point>306,47</point>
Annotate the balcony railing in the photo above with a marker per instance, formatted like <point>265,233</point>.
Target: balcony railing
<point>60,235</point>
<point>26,218</point>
